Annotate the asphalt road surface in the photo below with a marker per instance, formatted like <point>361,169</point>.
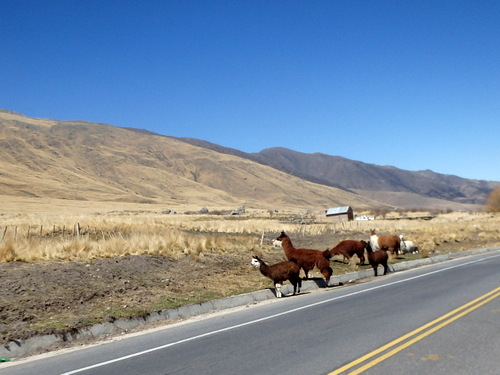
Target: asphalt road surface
<point>438,319</point>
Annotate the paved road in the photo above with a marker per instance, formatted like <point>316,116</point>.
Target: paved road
<point>439,319</point>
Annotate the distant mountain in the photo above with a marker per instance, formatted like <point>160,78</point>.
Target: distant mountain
<point>78,160</point>
<point>393,186</point>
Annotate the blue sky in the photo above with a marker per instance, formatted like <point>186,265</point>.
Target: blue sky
<point>412,84</point>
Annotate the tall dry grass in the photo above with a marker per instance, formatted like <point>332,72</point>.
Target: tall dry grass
<point>32,237</point>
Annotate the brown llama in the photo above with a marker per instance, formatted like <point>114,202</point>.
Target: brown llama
<point>279,273</point>
<point>348,248</point>
<point>307,259</point>
<point>390,243</point>
<point>377,257</point>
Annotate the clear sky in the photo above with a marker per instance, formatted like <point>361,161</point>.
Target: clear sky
<point>412,84</point>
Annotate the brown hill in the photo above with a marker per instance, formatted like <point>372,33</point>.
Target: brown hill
<point>393,186</point>
<point>77,160</point>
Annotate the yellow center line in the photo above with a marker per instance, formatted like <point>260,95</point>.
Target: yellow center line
<point>420,337</point>
<point>477,302</point>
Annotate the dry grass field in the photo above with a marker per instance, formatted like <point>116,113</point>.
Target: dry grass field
<point>61,271</point>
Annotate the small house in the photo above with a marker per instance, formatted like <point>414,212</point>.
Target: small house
<point>344,213</point>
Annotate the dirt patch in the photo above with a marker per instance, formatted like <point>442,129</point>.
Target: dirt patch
<point>59,296</point>
<point>50,296</point>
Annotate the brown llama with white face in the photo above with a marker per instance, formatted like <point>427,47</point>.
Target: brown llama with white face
<point>279,273</point>
<point>307,259</point>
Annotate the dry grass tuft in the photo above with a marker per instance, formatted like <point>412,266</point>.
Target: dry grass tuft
<point>7,252</point>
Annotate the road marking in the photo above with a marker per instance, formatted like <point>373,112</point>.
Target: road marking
<point>211,333</point>
<point>431,357</point>
<point>445,319</point>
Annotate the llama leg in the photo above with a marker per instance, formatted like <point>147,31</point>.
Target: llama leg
<point>278,289</point>
<point>385,268</point>
<point>375,269</point>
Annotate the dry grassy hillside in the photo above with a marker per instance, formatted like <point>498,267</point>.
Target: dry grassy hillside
<point>412,189</point>
<point>390,185</point>
<point>83,161</point>
<point>417,201</point>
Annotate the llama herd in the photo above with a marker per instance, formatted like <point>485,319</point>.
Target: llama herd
<point>376,248</point>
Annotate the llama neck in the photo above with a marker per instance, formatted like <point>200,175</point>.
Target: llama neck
<point>264,268</point>
<point>287,246</point>
<point>286,243</point>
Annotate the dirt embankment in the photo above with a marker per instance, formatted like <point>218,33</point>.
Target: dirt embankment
<point>50,296</point>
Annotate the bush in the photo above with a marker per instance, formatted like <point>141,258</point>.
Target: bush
<point>493,202</point>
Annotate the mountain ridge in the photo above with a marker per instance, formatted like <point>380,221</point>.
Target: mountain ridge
<point>82,160</point>
<point>368,179</point>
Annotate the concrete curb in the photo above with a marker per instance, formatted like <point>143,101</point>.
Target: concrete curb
<point>19,348</point>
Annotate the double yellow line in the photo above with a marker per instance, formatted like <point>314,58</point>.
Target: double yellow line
<point>431,327</point>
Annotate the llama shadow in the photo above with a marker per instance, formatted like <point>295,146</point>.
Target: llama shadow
<point>338,261</point>
<point>283,295</point>
<point>321,283</point>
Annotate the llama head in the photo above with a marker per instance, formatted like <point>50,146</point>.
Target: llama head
<point>282,235</point>
<point>255,262</point>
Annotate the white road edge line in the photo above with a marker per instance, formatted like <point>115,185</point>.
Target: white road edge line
<point>266,318</point>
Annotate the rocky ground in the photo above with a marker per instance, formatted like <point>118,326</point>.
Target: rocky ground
<point>60,296</point>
